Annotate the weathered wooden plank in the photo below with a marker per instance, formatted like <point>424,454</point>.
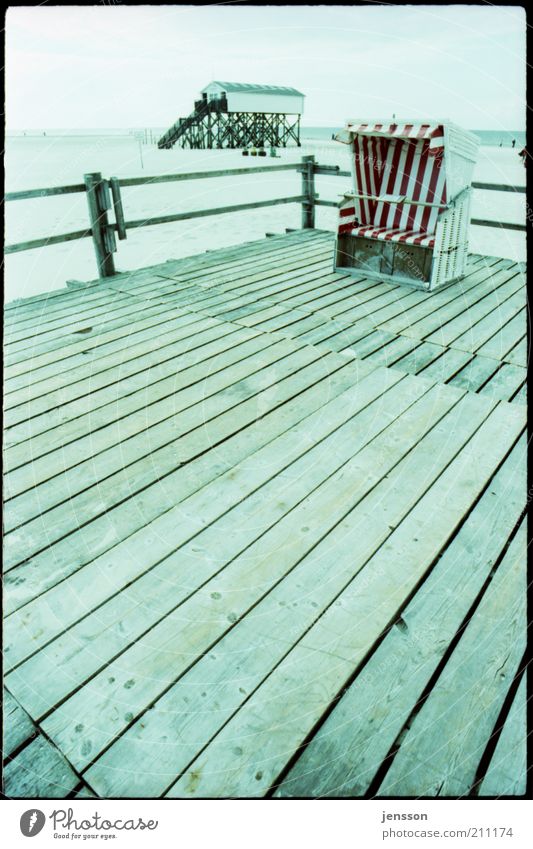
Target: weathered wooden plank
<point>169,530</point>
<point>33,367</point>
<point>505,338</point>
<point>369,344</point>
<point>146,279</point>
<point>336,332</point>
<point>23,309</point>
<point>278,716</point>
<point>276,276</point>
<point>220,347</point>
<point>492,324</point>
<point>39,771</point>
<point>519,355</point>
<point>461,710</point>
<point>478,279</point>
<point>60,404</point>
<point>217,615</point>
<point>344,756</point>
<point>85,792</point>
<point>458,309</point>
<point>423,355</point>
<point>262,638</point>
<point>145,421</point>
<point>50,547</point>
<point>91,364</point>
<point>494,303</point>
<point>237,292</point>
<point>506,382</point>
<point>447,365</point>
<point>151,501</point>
<point>91,642</point>
<point>231,309</point>
<point>239,274</point>
<point>66,344</point>
<point>17,725</point>
<point>369,296</point>
<point>292,323</point>
<point>521,395</point>
<point>507,772</point>
<point>219,263</point>
<point>83,308</point>
<point>377,310</point>
<point>336,290</point>
<point>393,351</point>
<point>327,288</point>
<point>475,373</point>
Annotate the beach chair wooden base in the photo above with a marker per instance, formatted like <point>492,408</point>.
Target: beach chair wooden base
<point>388,261</point>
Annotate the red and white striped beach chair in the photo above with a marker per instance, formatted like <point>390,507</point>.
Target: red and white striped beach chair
<point>407,218</point>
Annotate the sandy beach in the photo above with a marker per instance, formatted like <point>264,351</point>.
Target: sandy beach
<point>35,162</point>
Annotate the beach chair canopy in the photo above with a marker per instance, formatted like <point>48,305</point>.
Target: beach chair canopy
<point>400,177</point>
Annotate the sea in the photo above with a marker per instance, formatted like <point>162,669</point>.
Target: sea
<point>488,138</point>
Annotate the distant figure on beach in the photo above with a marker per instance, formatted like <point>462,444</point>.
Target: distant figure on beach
<point>513,142</point>
<point>501,144</point>
<point>523,154</point>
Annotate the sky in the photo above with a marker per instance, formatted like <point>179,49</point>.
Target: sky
<point>114,65</point>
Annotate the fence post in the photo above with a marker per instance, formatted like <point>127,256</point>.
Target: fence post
<point>103,233</point>
<point>308,191</point>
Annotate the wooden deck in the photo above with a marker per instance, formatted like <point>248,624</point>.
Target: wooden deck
<point>264,532</point>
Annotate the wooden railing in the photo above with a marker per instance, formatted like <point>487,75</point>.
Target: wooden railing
<point>104,196</point>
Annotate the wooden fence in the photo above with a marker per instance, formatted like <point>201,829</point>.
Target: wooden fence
<point>104,196</point>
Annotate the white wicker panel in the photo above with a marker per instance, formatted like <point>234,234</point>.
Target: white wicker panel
<point>451,243</point>
<point>460,156</point>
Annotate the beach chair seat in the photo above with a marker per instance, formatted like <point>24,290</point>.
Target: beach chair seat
<point>406,218</point>
<point>392,234</point>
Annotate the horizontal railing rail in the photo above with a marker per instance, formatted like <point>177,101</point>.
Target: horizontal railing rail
<point>45,193</point>
<point>203,175</point>
<point>202,213</point>
<point>104,195</point>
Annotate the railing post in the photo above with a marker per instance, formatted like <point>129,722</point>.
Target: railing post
<point>103,234</point>
<point>308,191</point>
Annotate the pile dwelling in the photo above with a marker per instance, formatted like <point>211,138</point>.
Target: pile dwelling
<point>239,115</point>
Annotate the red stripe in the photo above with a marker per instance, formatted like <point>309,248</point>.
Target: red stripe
<point>391,181</point>
<point>404,183</point>
<point>359,179</point>
<point>422,165</point>
<point>367,188</point>
<point>375,174</point>
<point>346,211</point>
<point>408,234</point>
<point>345,228</point>
<point>435,170</point>
<point>420,239</point>
<point>391,234</point>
